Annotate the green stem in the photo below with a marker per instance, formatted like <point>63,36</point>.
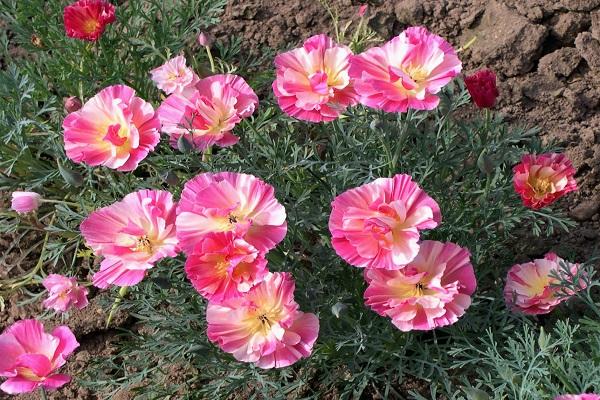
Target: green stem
<point>206,154</point>
<point>122,292</point>
<point>210,59</point>
<point>69,203</point>
<point>43,393</point>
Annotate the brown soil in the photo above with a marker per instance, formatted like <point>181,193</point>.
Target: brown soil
<point>547,57</point>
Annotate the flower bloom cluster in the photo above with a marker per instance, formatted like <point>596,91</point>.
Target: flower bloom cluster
<point>30,356</point>
<point>542,179</point>
<point>419,285</point>
<point>64,293</point>
<point>226,223</point>
<point>531,287</point>
<point>319,80</point>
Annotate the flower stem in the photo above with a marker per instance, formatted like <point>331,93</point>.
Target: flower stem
<point>118,300</point>
<point>210,59</point>
<point>68,203</point>
<point>43,393</point>
<point>206,154</point>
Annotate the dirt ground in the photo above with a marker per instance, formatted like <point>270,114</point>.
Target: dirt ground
<point>547,57</point>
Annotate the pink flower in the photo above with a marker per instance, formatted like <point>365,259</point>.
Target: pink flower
<point>87,19</point>
<point>24,202</point>
<point>432,291</point>
<point>405,72</point>
<point>312,82</point>
<point>542,179</point>
<point>208,114</point>
<point>377,225</point>
<point>529,287</point>
<point>225,267</point>
<point>114,128</point>
<point>131,235</point>
<point>173,76</point>
<point>583,396</point>
<point>229,202</point>
<point>30,356</point>
<point>205,39</point>
<point>362,10</point>
<point>72,104</point>
<point>264,326</point>
<point>64,293</point>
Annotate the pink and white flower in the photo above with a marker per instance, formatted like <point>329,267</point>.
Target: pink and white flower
<point>174,76</point>
<point>264,326</point>
<point>24,202</point>
<point>225,267</point>
<point>542,179</point>
<point>229,202</point>
<point>31,357</point>
<point>64,293</point>
<point>583,396</point>
<point>432,291</point>
<point>530,287</point>
<point>115,129</point>
<point>312,82</point>
<point>132,235</point>
<point>207,115</point>
<point>406,72</point>
<point>377,225</point>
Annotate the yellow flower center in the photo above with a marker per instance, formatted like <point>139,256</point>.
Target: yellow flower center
<point>143,244</point>
<point>91,25</point>
<point>540,186</point>
<point>28,374</point>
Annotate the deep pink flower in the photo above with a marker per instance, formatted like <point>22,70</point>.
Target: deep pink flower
<point>30,356</point>
<point>87,19</point>
<point>64,293</point>
<point>377,225</point>
<point>114,128</point>
<point>224,267</point>
<point>208,114</point>
<point>264,326</point>
<point>542,179</point>
<point>312,82</point>
<point>406,72</point>
<point>583,396</point>
<point>24,202</point>
<point>432,291</point>
<point>229,202</point>
<point>131,235</point>
<point>174,76</point>
<point>362,10</point>
<point>482,88</point>
<point>529,287</point>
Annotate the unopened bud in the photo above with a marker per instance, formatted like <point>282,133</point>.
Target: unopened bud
<point>72,104</point>
<point>205,39</point>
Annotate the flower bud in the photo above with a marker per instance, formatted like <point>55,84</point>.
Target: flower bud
<point>24,202</point>
<point>362,10</point>
<point>205,39</point>
<point>72,104</point>
<point>482,88</point>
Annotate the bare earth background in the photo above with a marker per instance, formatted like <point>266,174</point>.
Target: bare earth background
<point>547,57</point>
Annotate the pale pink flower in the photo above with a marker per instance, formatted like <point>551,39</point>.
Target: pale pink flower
<point>131,235</point>
<point>115,129</point>
<point>64,293</point>
<point>224,267</point>
<point>208,114</point>
<point>30,356</point>
<point>264,326</point>
<point>377,225</point>
<point>530,286</point>
<point>406,72</point>
<point>432,291</point>
<point>174,76</point>
<point>583,396</point>
<point>24,202</point>
<point>312,82</point>
<point>205,39</point>
<point>544,178</point>
<point>229,202</point>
